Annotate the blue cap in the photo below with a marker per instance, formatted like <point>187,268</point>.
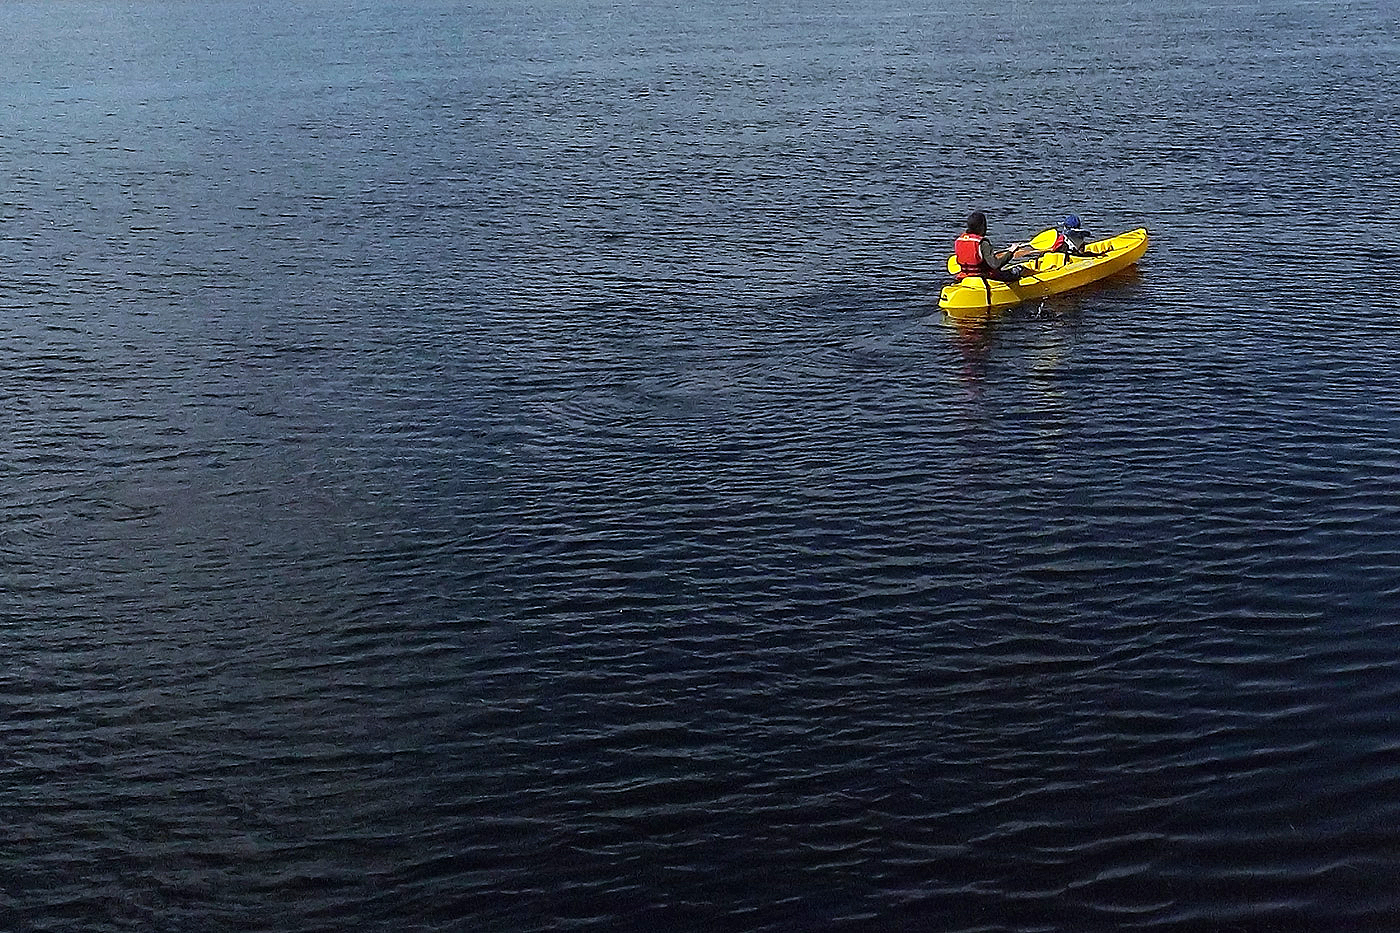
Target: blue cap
<point>1072,222</point>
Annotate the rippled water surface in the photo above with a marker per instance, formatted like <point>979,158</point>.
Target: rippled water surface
<point>500,466</point>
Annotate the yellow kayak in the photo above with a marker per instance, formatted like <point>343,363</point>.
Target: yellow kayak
<point>1050,274</point>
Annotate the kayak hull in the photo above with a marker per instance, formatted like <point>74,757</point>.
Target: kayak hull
<point>1051,274</point>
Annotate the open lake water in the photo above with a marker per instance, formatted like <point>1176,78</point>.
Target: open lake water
<point>500,466</point>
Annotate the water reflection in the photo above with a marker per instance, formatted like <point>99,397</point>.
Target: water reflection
<point>1044,346</point>
<point>1051,327</point>
<point>974,341</point>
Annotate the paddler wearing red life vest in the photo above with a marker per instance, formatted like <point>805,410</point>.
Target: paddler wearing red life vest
<point>976,255</point>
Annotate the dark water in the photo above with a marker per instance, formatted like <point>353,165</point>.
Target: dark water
<point>500,467</point>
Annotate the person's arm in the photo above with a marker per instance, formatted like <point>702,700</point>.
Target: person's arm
<point>994,259</point>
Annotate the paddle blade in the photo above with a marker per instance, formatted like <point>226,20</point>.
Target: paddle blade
<point>1045,239</point>
<point>953,267</point>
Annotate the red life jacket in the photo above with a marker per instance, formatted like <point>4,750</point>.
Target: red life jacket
<point>967,250</point>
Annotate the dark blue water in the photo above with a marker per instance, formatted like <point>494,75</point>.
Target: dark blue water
<point>501,467</point>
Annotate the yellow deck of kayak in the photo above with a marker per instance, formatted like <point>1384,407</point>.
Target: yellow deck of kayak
<point>1047,275</point>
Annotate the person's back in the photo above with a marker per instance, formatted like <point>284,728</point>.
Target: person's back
<point>976,256</point>
<point>967,250</point>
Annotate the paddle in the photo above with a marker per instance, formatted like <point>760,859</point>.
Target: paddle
<point>1045,239</point>
<point>1041,242</point>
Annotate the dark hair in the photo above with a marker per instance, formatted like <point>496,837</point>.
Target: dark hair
<point>977,223</point>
